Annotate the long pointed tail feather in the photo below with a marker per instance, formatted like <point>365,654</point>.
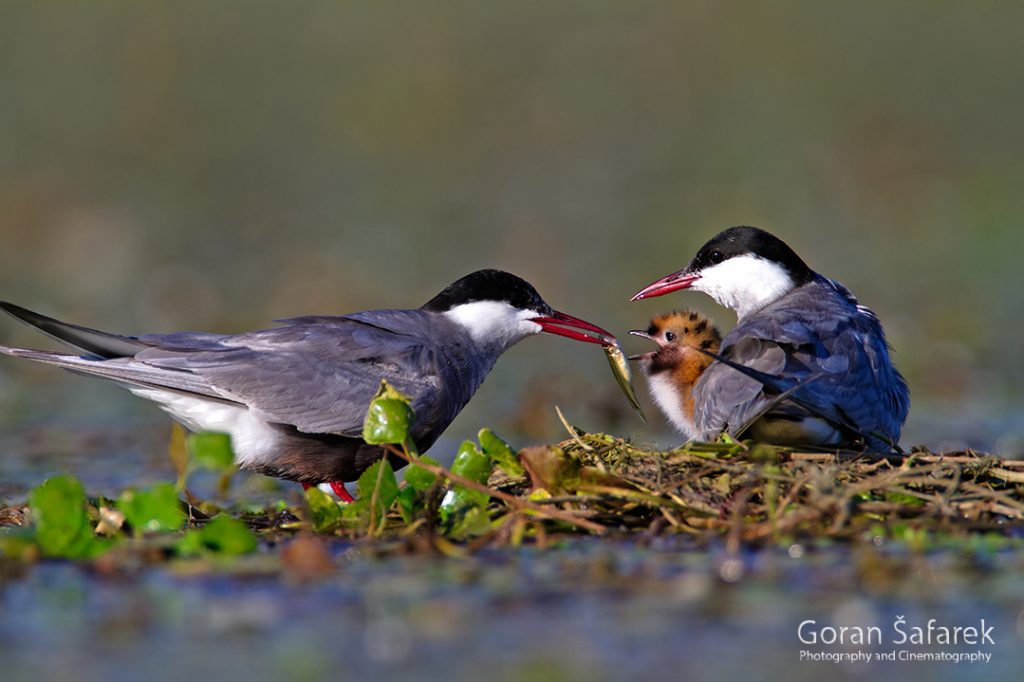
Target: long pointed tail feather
<point>102,344</point>
<point>124,371</point>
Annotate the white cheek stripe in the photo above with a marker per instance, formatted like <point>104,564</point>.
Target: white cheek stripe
<point>494,322</point>
<point>745,283</point>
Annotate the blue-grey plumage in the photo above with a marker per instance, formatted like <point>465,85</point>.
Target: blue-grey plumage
<point>805,330</point>
<point>293,398</point>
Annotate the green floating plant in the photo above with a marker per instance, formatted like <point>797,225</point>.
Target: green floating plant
<point>501,452</point>
<point>418,482</point>
<point>156,510</point>
<point>61,527</point>
<point>223,535</point>
<point>388,418</point>
<point>212,451</point>
<point>464,511</point>
<point>378,490</point>
<point>324,511</point>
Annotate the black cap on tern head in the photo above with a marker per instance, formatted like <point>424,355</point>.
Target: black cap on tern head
<point>489,285</point>
<point>744,241</point>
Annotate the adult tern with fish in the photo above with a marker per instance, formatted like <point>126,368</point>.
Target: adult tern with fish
<point>293,398</point>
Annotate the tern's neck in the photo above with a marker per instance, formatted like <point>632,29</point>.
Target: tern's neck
<point>745,284</point>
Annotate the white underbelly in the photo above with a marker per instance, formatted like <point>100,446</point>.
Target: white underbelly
<point>668,399</point>
<point>253,440</point>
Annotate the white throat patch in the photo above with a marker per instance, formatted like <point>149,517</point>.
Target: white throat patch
<point>668,399</point>
<point>494,322</point>
<point>745,283</point>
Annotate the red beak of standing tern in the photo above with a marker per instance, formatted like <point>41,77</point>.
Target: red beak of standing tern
<point>567,326</point>
<point>674,282</point>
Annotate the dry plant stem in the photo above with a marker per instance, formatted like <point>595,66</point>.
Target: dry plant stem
<point>1018,507</point>
<point>511,500</point>
<point>572,432</point>
<point>1008,476</point>
<point>925,459</point>
<point>732,542</point>
<point>374,530</point>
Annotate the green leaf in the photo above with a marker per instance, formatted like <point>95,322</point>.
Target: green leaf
<point>212,451</point>
<point>227,535</point>
<point>904,499</point>
<point>156,510</point>
<point>357,513</point>
<point>387,421</point>
<point>408,504</point>
<point>224,535</point>
<point>379,487</point>
<point>388,418</point>
<point>324,512</point>
<point>473,464</point>
<point>419,478</point>
<point>474,521</point>
<point>500,451</point>
<point>190,544</point>
<point>61,520</point>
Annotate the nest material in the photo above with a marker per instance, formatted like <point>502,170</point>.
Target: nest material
<point>757,492</point>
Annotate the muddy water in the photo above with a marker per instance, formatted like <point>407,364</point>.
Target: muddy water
<point>587,610</point>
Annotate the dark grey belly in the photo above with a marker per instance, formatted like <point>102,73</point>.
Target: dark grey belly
<point>320,458</point>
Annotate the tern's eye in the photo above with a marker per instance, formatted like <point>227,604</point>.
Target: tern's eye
<point>670,336</point>
<point>716,257</point>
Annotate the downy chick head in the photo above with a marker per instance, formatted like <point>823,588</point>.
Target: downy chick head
<point>675,366</point>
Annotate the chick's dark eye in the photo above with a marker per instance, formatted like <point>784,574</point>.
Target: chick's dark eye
<point>670,336</point>
<point>716,257</point>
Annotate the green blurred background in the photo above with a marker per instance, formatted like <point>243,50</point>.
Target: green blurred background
<point>196,165</point>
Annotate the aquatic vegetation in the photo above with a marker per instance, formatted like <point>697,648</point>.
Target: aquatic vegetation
<point>739,494</point>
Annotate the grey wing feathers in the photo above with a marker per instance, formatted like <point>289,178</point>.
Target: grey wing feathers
<point>316,378</point>
<point>317,374</point>
<point>726,398</point>
<point>820,330</point>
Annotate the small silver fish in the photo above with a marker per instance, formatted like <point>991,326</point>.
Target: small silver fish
<point>620,368</point>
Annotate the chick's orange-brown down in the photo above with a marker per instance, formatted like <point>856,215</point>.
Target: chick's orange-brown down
<point>675,366</point>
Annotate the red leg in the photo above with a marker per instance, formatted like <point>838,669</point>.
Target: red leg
<point>339,489</point>
<point>337,486</point>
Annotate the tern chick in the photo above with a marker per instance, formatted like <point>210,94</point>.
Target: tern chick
<point>674,367</point>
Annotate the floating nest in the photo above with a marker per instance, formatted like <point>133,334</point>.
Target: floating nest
<point>755,493</point>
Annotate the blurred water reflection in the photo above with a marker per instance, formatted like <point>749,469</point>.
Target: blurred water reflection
<point>182,165</point>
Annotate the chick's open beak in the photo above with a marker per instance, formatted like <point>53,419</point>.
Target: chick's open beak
<point>561,324</point>
<point>643,334</point>
<point>683,279</point>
